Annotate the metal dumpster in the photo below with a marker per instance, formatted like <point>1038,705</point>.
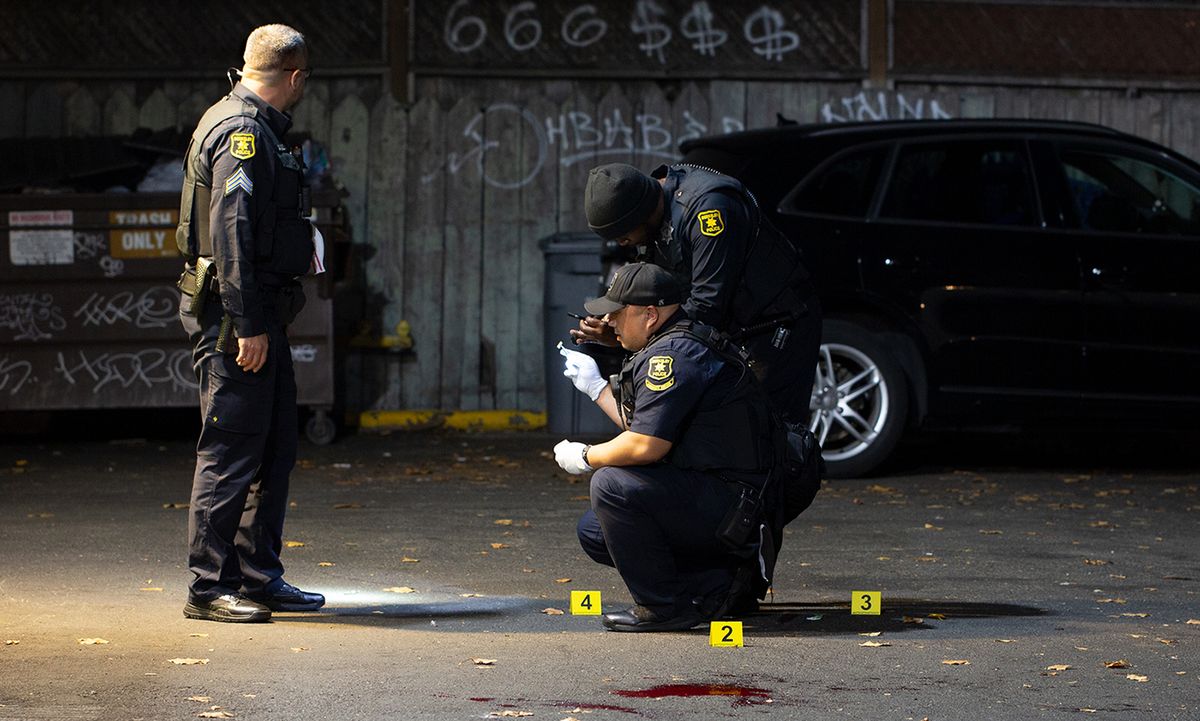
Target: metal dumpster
<point>89,308</point>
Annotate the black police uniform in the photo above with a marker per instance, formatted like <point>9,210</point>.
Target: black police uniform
<point>657,524</point>
<point>743,274</point>
<point>243,208</point>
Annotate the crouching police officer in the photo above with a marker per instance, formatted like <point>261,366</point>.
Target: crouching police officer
<point>244,232</point>
<point>668,494</point>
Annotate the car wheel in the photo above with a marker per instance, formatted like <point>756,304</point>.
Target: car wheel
<point>859,402</point>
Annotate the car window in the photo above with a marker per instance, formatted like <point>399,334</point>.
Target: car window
<point>844,187</point>
<point>961,182</point>
<point>1120,194</point>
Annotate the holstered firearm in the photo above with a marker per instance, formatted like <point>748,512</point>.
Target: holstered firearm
<point>196,282</point>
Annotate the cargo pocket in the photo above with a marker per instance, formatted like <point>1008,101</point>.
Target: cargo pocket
<point>238,401</point>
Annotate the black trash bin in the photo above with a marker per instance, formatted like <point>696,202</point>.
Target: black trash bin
<point>575,271</point>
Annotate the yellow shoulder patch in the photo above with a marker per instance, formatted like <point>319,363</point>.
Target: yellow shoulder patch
<point>711,222</point>
<point>241,145</point>
<point>660,374</point>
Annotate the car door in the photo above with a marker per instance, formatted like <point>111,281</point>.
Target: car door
<point>1138,217</point>
<point>959,243</point>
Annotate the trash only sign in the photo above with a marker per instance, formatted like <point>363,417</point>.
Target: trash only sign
<point>143,233</point>
<point>41,237</point>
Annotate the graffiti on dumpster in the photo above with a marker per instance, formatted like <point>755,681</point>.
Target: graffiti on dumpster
<point>13,374</point>
<point>149,367</point>
<point>155,308</point>
<point>33,316</point>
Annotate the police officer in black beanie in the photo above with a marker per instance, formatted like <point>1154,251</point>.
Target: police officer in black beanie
<point>745,277</point>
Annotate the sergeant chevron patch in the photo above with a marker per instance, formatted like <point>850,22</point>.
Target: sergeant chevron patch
<point>239,179</point>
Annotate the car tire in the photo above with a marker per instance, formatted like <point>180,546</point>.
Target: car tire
<point>859,401</point>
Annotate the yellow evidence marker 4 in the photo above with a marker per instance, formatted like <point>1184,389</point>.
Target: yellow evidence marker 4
<point>585,603</point>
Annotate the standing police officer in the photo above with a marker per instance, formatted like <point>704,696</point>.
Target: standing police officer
<point>696,447</point>
<point>745,277</point>
<point>244,232</point>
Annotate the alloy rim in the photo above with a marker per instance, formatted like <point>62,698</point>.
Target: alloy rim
<point>849,402</point>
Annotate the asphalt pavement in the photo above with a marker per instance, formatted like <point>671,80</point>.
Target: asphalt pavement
<point>1019,579</point>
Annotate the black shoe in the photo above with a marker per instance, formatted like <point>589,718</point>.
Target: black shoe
<point>230,608</point>
<point>289,598</point>
<point>641,619</point>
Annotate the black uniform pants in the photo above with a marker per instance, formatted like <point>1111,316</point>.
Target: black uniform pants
<point>658,525</point>
<point>244,456</point>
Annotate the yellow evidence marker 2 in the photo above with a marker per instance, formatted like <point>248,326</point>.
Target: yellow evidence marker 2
<point>585,603</point>
<point>865,603</point>
<point>725,633</point>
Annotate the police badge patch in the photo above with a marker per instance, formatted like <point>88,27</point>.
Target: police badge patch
<point>660,374</point>
<point>241,145</point>
<point>711,222</point>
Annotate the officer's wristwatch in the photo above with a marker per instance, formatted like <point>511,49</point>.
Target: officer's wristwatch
<point>585,458</point>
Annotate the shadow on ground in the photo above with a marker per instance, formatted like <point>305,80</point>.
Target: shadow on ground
<point>899,616</point>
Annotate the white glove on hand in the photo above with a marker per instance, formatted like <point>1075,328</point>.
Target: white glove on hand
<point>569,455</point>
<point>581,368</point>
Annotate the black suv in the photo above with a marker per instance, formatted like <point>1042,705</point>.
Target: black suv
<point>991,273</point>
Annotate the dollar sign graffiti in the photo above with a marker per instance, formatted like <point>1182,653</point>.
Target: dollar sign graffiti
<point>697,26</point>
<point>645,22</point>
<point>772,41</point>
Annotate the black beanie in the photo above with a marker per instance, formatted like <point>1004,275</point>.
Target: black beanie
<point>619,198</point>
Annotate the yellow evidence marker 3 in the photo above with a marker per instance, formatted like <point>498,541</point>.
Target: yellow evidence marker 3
<point>866,603</point>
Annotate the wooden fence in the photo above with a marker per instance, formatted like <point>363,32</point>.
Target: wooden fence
<point>453,193</point>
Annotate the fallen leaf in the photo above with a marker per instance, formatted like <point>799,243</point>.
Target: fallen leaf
<point>198,635</point>
<point>14,642</point>
<point>1137,677</point>
<point>1193,622</point>
<point>20,462</point>
<point>346,506</point>
<point>294,544</point>
<point>957,663</point>
<point>400,589</point>
<point>503,521</point>
<point>201,699</point>
<point>188,661</point>
<point>177,505</point>
<point>1136,615</point>
<point>498,546</point>
<point>150,588</point>
<point>510,713</point>
<point>874,644</point>
<point>406,559</point>
<point>1167,641</point>
<point>325,564</point>
<point>931,527</point>
<point>92,641</point>
<point>912,619</point>
<point>299,649</point>
<point>991,532</point>
<point>1006,640</point>
<point>1110,600</point>
<point>1058,667</point>
<point>562,580</point>
<point>581,498</point>
<point>471,595</point>
<point>936,616</point>
<point>483,661</point>
<point>552,611</point>
<point>215,714</point>
<point>1116,664</point>
<point>871,634</point>
<point>1095,562</point>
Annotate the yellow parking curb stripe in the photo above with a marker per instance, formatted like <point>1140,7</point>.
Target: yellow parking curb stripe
<point>502,420</point>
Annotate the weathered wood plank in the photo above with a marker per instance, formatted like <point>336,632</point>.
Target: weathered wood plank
<point>158,111</point>
<point>691,115</point>
<point>727,106</point>
<point>501,251</point>
<point>462,276</point>
<point>653,137</point>
<point>578,141</point>
<point>424,253</point>
<point>81,113</point>
<point>44,110</point>
<point>349,149</point>
<point>120,112</point>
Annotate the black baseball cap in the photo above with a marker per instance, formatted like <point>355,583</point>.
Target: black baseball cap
<point>638,284</point>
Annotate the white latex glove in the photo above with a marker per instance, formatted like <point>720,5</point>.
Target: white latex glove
<point>581,368</point>
<point>569,455</point>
